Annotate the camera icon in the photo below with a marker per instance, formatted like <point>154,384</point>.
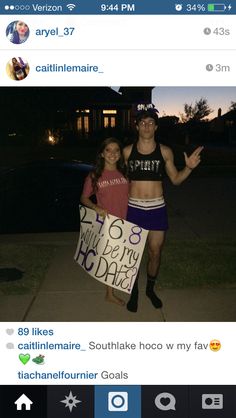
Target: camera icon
<point>117,401</point>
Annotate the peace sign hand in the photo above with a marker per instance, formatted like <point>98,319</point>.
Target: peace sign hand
<point>194,159</point>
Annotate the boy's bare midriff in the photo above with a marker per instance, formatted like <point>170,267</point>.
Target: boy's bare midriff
<point>146,189</point>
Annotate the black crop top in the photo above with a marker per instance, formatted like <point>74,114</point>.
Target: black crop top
<point>146,167</point>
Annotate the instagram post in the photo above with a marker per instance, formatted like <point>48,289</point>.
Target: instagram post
<point>89,259</point>
<point>117,209</point>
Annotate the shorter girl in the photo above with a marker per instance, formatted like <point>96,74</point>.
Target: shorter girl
<point>109,183</point>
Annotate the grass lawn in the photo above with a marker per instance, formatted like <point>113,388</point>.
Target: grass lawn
<point>33,260</point>
<point>199,263</point>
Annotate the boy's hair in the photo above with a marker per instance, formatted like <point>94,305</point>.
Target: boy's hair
<point>146,111</point>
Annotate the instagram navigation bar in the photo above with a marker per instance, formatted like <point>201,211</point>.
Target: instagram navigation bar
<point>128,401</point>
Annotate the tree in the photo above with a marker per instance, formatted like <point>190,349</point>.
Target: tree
<point>197,112</point>
<point>232,106</point>
<point>193,116</point>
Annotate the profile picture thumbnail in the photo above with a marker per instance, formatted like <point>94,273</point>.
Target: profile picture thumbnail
<point>17,32</point>
<point>17,68</point>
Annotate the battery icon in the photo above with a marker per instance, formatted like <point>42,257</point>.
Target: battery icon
<point>216,7</point>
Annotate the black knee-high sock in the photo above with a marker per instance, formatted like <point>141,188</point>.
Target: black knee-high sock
<point>132,305</point>
<point>157,303</point>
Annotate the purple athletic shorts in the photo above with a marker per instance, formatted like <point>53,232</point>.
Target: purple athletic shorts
<point>150,214</point>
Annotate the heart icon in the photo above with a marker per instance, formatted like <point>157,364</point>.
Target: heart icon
<point>24,358</point>
<point>165,401</point>
<point>10,331</point>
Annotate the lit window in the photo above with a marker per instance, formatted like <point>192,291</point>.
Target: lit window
<point>82,111</point>
<point>113,122</point>
<point>109,112</point>
<point>106,122</point>
<point>86,124</point>
<point>83,124</point>
<point>79,124</point>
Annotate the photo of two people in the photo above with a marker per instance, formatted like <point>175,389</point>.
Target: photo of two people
<point>54,144</point>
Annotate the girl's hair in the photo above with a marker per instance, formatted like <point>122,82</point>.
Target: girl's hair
<point>15,36</point>
<point>100,162</point>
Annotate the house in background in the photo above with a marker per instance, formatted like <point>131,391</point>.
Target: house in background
<point>52,113</point>
<point>224,126</point>
<point>94,108</point>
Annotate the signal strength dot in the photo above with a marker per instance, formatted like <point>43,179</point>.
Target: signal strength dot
<point>70,6</point>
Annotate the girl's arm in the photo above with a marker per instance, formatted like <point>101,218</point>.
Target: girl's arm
<point>85,198</point>
<point>86,201</point>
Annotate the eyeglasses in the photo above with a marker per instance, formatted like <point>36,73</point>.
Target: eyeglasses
<point>150,123</point>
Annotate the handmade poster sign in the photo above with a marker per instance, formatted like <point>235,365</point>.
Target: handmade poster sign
<point>110,250</point>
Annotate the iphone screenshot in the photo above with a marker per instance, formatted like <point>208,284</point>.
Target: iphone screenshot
<point>117,209</point>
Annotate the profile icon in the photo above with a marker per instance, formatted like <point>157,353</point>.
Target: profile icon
<point>17,68</point>
<point>17,32</point>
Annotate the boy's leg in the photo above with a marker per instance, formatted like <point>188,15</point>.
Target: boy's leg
<point>132,305</point>
<point>155,243</point>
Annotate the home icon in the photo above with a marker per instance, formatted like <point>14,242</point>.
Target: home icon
<point>23,400</point>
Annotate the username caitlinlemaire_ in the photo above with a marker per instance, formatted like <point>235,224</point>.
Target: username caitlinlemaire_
<point>55,68</point>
